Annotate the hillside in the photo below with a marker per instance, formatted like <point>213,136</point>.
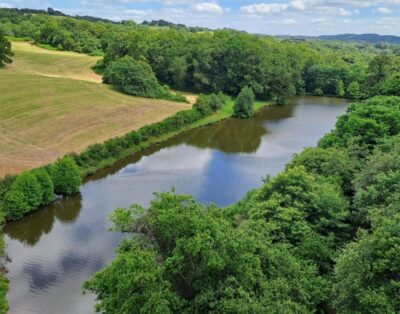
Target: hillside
<point>51,103</point>
<point>370,38</point>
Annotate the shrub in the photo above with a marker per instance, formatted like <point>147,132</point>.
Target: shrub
<point>15,205</point>
<point>24,196</point>
<point>203,105</point>
<point>137,78</point>
<point>66,177</point>
<point>243,107</point>
<point>318,92</point>
<point>46,184</point>
<point>353,91</point>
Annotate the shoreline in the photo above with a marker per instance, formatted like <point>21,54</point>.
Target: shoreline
<point>223,114</point>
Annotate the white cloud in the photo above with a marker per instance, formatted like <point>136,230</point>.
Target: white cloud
<point>383,10</point>
<point>289,21</point>
<point>208,7</point>
<point>344,12</point>
<point>264,8</point>
<point>298,5</point>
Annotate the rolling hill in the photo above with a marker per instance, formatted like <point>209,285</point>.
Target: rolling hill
<point>52,103</point>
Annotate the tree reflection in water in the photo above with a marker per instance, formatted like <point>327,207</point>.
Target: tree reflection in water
<point>29,229</point>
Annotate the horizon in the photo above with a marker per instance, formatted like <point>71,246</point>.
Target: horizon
<point>275,18</point>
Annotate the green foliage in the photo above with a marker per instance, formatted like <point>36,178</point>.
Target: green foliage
<point>5,50</point>
<point>46,185</point>
<point>330,162</point>
<point>366,124</point>
<point>353,91</point>
<point>148,291</point>
<point>24,196</point>
<point>378,184</point>
<point>190,259</point>
<point>243,107</point>
<point>3,294</point>
<point>136,78</point>
<point>391,86</point>
<point>340,89</point>
<point>317,204</point>
<point>209,61</point>
<point>66,176</point>
<point>207,104</point>
<point>366,273</point>
<point>203,105</point>
<point>318,92</point>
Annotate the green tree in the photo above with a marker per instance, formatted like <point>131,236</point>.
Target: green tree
<point>340,89</point>
<point>25,195</point>
<point>367,272</point>
<point>65,176</point>
<point>46,184</point>
<point>5,50</point>
<point>190,259</point>
<point>15,205</point>
<point>203,105</point>
<point>132,77</point>
<point>353,91</point>
<point>243,107</point>
<point>379,69</point>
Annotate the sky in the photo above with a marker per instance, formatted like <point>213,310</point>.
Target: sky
<point>277,17</point>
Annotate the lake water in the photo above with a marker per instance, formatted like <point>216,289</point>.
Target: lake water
<point>54,250</point>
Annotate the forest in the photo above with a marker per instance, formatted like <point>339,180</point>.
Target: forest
<point>323,236</point>
<point>217,61</point>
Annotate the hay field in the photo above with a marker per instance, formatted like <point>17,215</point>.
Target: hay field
<point>52,103</point>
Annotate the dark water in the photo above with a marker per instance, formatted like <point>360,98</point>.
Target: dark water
<point>55,249</point>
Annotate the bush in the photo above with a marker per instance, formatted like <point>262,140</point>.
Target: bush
<point>318,92</point>
<point>203,105</point>
<point>218,101</point>
<point>353,91</point>
<point>15,205</point>
<point>137,78</point>
<point>66,177</point>
<point>5,50</point>
<point>243,107</point>
<point>46,184</point>
<point>24,196</point>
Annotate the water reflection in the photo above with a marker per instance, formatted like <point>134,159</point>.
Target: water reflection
<point>55,249</point>
<point>29,229</point>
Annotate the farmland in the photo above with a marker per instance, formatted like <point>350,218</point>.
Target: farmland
<point>52,103</point>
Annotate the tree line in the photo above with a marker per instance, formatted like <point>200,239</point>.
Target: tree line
<point>216,61</point>
<point>322,236</point>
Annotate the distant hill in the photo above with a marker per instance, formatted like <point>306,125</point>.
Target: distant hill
<point>51,11</point>
<point>163,23</point>
<point>370,38</point>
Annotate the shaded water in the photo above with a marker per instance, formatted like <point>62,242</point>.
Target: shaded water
<point>56,248</point>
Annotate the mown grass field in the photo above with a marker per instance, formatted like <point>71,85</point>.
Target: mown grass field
<point>51,103</point>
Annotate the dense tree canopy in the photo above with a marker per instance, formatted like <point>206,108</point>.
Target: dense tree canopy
<point>222,60</point>
<point>5,50</point>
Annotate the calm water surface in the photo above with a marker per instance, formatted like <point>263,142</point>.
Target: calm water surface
<point>53,251</point>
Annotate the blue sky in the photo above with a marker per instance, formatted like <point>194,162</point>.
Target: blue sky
<point>276,17</point>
